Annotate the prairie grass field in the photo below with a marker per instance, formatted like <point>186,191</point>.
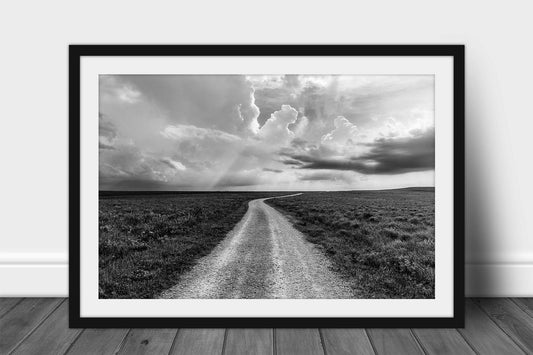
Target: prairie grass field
<point>147,240</point>
<point>381,242</point>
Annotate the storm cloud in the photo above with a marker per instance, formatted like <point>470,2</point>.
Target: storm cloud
<point>385,156</point>
<point>265,132</point>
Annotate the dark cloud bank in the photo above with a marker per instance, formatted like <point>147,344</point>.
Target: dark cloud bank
<point>386,156</point>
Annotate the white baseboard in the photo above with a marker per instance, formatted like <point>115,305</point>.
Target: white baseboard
<point>34,280</point>
<point>499,280</point>
<point>47,276</point>
<point>33,274</point>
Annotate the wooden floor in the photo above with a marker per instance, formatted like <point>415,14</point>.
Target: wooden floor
<point>40,326</point>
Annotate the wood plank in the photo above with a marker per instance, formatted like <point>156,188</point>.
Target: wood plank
<point>394,341</point>
<point>39,326</point>
<point>298,341</point>
<point>53,336</point>
<point>443,341</point>
<point>513,320</point>
<point>148,341</point>
<point>98,341</point>
<point>346,341</point>
<point>7,303</point>
<point>484,335</point>
<point>199,341</point>
<point>526,304</point>
<point>249,341</point>
<point>24,318</point>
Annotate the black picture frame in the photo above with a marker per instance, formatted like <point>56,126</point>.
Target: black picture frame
<point>76,52</point>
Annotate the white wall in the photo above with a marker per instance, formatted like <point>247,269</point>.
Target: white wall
<point>33,86</point>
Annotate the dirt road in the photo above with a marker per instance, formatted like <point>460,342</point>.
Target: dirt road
<point>262,257</point>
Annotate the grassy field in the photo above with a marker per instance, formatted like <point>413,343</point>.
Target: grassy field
<point>147,240</point>
<point>382,242</point>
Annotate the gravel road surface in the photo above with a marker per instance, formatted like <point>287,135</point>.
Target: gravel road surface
<point>262,257</point>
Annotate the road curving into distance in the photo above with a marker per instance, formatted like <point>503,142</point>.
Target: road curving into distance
<point>264,256</point>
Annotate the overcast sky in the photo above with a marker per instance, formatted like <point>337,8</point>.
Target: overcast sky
<point>272,132</point>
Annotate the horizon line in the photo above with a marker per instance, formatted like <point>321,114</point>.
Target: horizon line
<point>341,190</point>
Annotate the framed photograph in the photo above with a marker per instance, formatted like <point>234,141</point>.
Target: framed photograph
<point>266,186</point>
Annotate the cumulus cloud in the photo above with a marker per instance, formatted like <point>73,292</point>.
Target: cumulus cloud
<point>276,129</point>
<point>344,133</point>
<point>300,126</point>
<point>207,132</point>
<point>420,122</point>
<point>362,99</point>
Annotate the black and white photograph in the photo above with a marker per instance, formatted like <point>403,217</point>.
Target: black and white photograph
<point>231,184</point>
<point>266,186</point>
